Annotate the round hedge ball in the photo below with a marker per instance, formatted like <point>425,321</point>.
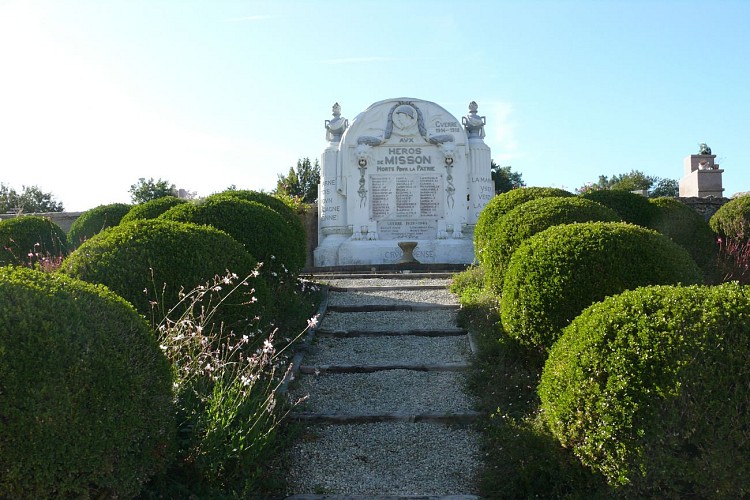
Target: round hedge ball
<point>632,207</point>
<point>30,239</point>
<point>732,220</point>
<point>150,262</point>
<point>652,389</point>
<point>85,392</point>
<point>95,220</point>
<point>530,218</point>
<point>686,227</point>
<point>502,204</point>
<point>557,273</point>
<point>151,209</point>
<point>261,230</point>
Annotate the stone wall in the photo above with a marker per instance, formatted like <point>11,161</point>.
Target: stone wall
<point>62,219</point>
<point>704,206</point>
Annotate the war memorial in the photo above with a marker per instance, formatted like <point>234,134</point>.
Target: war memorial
<point>404,178</point>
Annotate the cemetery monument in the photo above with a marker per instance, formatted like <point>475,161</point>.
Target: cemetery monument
<point>404,170</point>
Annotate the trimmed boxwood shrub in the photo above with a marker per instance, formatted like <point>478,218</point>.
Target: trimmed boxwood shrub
<point>277,205</point>
<point>95,220</point>
<point>85,392</point>
<point>530,218</point>
<point>652,389</point>
<point>632,207</point>
<point>27,239</point>
<point>151,209</point>
<point>502,204</point>
<point>261,230</point>
<point>557,273</point>
<point>156,259</point>
<point>732,220</point>
<point>686,227</point>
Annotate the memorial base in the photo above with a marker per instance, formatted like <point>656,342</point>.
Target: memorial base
<point>378,252</point>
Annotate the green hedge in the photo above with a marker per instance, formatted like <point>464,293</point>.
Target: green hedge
<point>260,229</point>
<point>156,259</point>
<point>29,239</point>
<point>686,227</point>
<point>152,208</point>
<point>560,271</point>
<point>85,392</point>
<point>732,220</point>
<point>652,389</point>
<point>632,207</point>
<point>95,220</point>
<point>529,218</point>
<point>502,204</point>
<point>280,207</point>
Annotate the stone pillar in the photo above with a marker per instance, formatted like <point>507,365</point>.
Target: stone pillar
<point>332,224</point>
<point>702,175</point>
<point>481,187</point>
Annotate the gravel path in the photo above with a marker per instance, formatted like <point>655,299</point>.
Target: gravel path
<point>390,457</point>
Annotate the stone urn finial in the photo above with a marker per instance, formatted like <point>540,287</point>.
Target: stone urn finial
<point>335,128</point>
<point>473,123</point>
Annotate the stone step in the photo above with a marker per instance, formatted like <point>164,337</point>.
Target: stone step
<point>372,368</point>
<point>381,497</point>
<point>393,297</point>
<point>388,288</point>
<point>369,351</point>
<point>376,321</point>
<point>416,307</point>
<point>368,418</point>
<point>383,392</point>
<point>385,459</point>
<point>418,332</point>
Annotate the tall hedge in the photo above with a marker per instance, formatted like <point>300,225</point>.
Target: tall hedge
<point>557,273</point>
<point>96,220</point>
<point>530,218</point>
<point>151,209</point>
<point>147,260</point>
<point>85,392</point>
<point>652,389</point>
<point>262,231</point>
<point>686,227</point>
<point>502,204</point>
<point>633,208</point>
<point>732,220</point>
<point>27,239</point>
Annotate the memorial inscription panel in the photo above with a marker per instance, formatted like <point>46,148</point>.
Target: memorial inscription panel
<point>406,206</point>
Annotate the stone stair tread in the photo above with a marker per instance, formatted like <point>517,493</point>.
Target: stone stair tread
<point>371,368</point>
<point>410,332</point>
<point>388,350</point>
<point>314,496</point>
<point>383,392</point>
<point>389,320</point>
<point>393,297</point>
<point>365,418</point>
<point>416,307</point>
<point>385,458</point>
<point>385,288</point>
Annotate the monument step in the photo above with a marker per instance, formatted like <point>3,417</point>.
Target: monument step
<point>416,332</point>
<point>418,297</point>
<point>369,418</point>
<point>392,307</point>
<point>336,288</point>
<point>434,319</point>
<point>383,392</point>
<point>381,497</point>
<point>385,459</point>
<point>419,367</point>
<point>406,350</point>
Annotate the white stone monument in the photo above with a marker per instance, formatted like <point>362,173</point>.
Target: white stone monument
<point>702,175</point>
<point>404,170</point>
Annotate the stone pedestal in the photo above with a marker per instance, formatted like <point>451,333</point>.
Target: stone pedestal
<point>702,177</point>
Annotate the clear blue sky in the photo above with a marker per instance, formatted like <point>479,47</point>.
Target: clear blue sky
<point>205,94</point>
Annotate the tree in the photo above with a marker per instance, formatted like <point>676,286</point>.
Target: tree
<point>300,182</point>
<point>635,180</point>
<point>505,179</point>
<point>31,199</point>
<point>147,190</point>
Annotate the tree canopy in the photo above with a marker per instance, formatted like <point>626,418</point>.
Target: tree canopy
<point>635,180</point>
<point>301,182</point>
<point>147,190</point>
<point>505,179</point>
<point>31,199</point>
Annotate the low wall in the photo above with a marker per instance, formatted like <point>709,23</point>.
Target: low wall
<point>704,206</point>
<point>62,219</point>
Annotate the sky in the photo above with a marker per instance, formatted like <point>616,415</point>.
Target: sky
<point>96,94</point>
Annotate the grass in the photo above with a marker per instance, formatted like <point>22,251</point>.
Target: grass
<point>522,460</point>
